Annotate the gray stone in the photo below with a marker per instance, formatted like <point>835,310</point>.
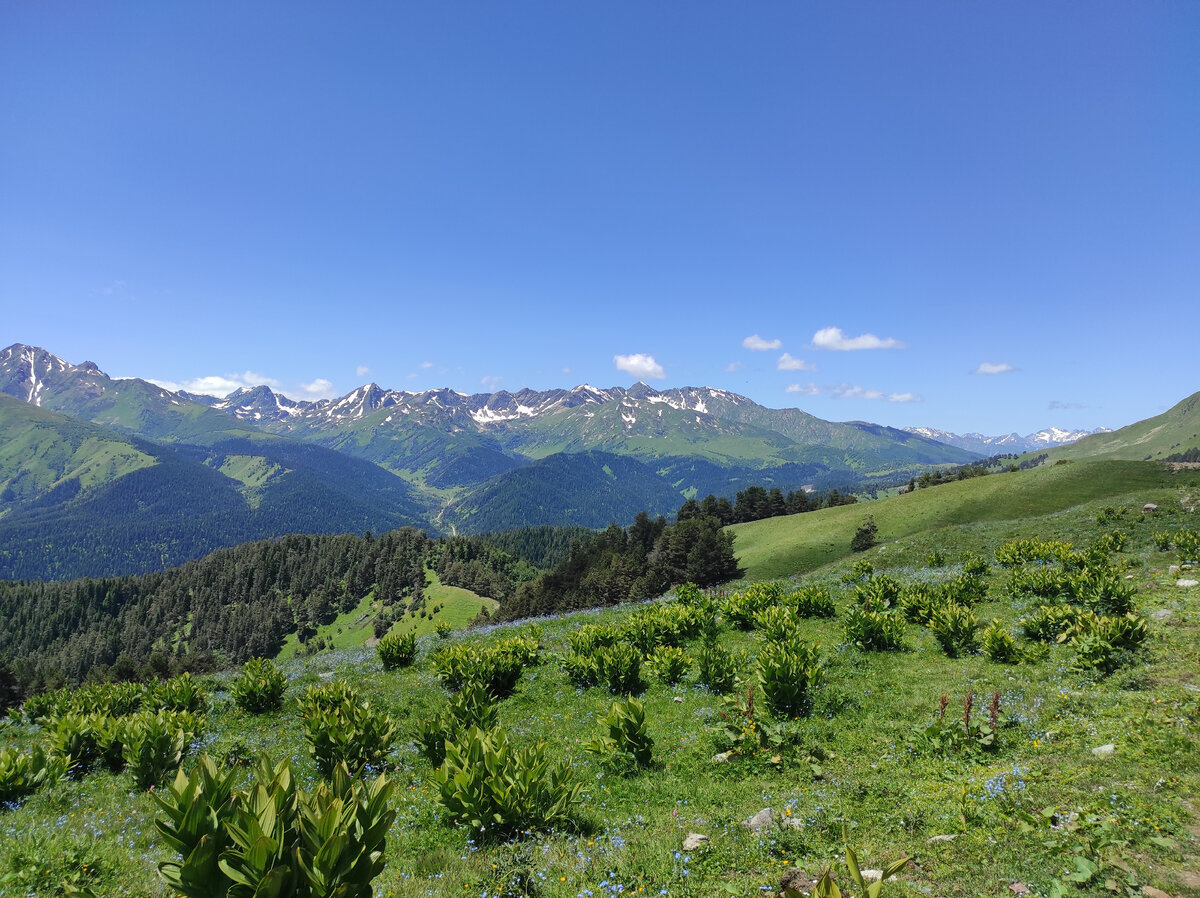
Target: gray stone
<point>1107,750</point>
<point>679,699</point>
<point>1162,614</point>
<point>694,841</point>
<point>1173,570</point>
<point>721,757</point>
<point>760,821</point>
<point>947,838</point>
<point>1185,583</point>
<point>1151,892</point>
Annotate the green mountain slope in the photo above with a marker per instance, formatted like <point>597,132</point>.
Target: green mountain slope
<point>1173,431</point>
<point>780,546</point>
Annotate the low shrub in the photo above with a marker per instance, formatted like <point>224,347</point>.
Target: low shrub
<point>472,706</point>
<point>499,790</point>
<point>787,671</point>
<point>260,688</point>
<point>349,733</point>
<point>717,669</point>
<point>875,631</point>
<point>813,600</point>
<point>619,668</point>
<point>626,743</point>
<point>24,772</point>
<point>154,744</point>
<point>999,645</point>
<point>954,627</point>
<point>397,649</point>
<point>669,664</point>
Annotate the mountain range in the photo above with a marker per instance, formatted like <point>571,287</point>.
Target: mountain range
<point>1007,443</point>
<point>102,476</point>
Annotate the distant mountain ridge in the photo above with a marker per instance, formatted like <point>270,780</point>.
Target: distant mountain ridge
<point>1010,442</point>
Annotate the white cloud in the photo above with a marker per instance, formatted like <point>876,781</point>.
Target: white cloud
<point>833,338</point>
<point>318,389</point>
<point>993,368</point>
<point>733,366</point>
<point>566,370</point>
<point>761,344</point>
<point>362,370</point>
<point>640,365</point>
<point>809,389</point>
<point>220,385</point>
<point>426,364</point>
<point>846,391</point>
<point>787,363</point>
<point>490,380</point>
<point>1059,406</point>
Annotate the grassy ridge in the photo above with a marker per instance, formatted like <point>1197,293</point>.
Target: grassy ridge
<point>777,547</point>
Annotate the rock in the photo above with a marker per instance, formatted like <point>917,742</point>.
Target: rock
<point>694,841</point>
<point>679,699</point>
<point>873,875</point>
<point>721,757</point>
<point>948,838</point>
<point>1151,892</point>
<point>1018,888</point>
<point>1185,583</point>
<point>1162,614</point>
<point>760,821</point>
<point>797,880</point>
<point>1107,750</point>
<point>1173,570</point>
<point>791,823</point>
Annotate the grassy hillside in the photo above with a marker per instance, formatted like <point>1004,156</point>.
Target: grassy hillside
<point>1086,790</point>
<point>1174,430</point>
<point>776,547</point>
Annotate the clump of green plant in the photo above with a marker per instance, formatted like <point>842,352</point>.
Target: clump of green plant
<point>999,645</point>
<point>717,668</point>
<point>273,838</point>
<point>862,570</point>
<point>742,606</point>
<point>619,669</point>
<point>874,631</point>
<point>498,790</point>
<point>975,565</point>
<point>472,706</point>
<point>442,629</point>
<point>954,627</point>
<point>776,622</point>
<point>181,693</point>
<point>626,743</point>
<point>497,668</point>
<point>1021,551</point>
<point>582,670</point>
<point>919,601</point>
<point>154,743</point>
<point>949,735</point>
<point>81,738</point>
<point>24,772</point>
<point>826,887</point>
<point>935,558</point>
<point>590,637</point>
<point>879,593</point>
<point>965,589</point>
<point>1102,642</point>
<point>813,600</point>
<point>397,649</point>
<point>669,664</point>
<point>260,688</point>
<point>866,536</point>
<point>348,732</point>
<point>787,671</point>
<point>1049,622</point>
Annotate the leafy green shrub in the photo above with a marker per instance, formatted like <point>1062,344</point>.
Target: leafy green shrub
<point>1113,541</point>
<point>741,607</point>
<point>181,693</point>
<point>1021,551</point>
<point>527,650</point>
<point>875,631</point>
<point>776,622</point>
<point>669,664</point>
<point>319,697</point>
<point>1103,590</point>
<point>965,589</point>
<point>717,668</point>
<point>397,649</point>
<point>919,601</point>
<point>582,670</point>
<point>619,668</point>
<point>500,790</point>
<point>1049,622</point>
<point>260,688</point>
<point>273,839</point>
<point>1187,544</point>
<point>154,743</point>
<point>935,558</point>
<point>786,672</point>
<point>865,536</point>
<point>1162,539</point>
<point>862,570</point>
<point>590,637</point>
<point>81,738</point>
<point>954,626</point>
<point>472,706</point>
<point>998,644</point>
<point>349,733</point>
<point>497,668</point>
<point>443,630</point>
<point>975,565</point>
<point>879,593</point>
<point>24,772</point>
<point>1101,641</point>
<point>626,743</point>
<point>813,600</point>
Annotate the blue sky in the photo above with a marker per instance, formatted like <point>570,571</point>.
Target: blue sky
<point>973,216</point>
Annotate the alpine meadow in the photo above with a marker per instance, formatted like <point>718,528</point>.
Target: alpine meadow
<point>595,451</point>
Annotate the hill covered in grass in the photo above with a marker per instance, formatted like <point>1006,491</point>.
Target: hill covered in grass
<point>988,756</point>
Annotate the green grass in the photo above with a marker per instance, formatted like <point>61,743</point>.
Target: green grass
<point>1022,814</point>
<point>1176,429</point>
<point>777,547</point>
<point>458,608</point>
<point>349,629</point>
